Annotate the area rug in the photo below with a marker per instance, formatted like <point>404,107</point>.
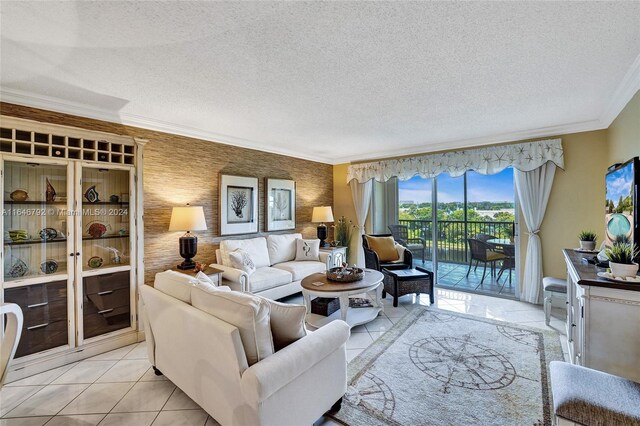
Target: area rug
<point>437,367</point>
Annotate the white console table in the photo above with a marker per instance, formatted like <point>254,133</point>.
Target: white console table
<point>603,319</point>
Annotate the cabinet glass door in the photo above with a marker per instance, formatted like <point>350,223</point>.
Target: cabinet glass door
<point>106,250</point>
<point>36,252</point>
<point>35,220</point>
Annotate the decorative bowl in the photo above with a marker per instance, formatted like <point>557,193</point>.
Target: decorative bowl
<point>95,262</point>
<point>97,229</point>
<point>49,266</point>
<point>48,234</point>
<point>345,275</point>
<point>19,195</point>
<point>18,235</point>
<point>18,269</point>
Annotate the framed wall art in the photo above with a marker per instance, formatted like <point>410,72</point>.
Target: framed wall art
<point>280,204</point>
<point>238,205</point>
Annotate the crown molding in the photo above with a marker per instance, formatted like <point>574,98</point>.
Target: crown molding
<point>82,110</point>
<point>621,97</point>
<point>627,88</point>
<point>542,132</point>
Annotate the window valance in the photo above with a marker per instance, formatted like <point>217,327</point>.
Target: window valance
<point>522,156</point>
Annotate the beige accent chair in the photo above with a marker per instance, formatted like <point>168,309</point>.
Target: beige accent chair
<point>208,357</point>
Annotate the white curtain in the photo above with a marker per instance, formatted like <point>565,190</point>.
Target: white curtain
<point>533,188</point>
<point>487,161</point>
<point>361,193</point>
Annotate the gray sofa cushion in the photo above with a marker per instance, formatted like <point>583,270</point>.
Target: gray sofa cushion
<point>591,397</point>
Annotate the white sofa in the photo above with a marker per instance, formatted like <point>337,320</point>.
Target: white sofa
<point>205,357</point>
<point>277,273</point>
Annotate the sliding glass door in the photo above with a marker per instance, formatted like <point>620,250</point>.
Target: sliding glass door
<point>472,206</point>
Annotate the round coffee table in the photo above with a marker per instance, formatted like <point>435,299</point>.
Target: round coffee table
<point>318,285</point>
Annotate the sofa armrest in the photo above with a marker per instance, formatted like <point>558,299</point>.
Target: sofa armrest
<point>326,258</point>
<point>235,276</point>
<point>266,377</point>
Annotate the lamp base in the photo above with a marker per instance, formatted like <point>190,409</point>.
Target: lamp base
<point>188,250</point>
<point>322,235</point>
<point>187,265</point>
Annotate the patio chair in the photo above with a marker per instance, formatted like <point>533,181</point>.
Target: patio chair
<point>485,237</point>
<point>509,263</point>
<point>481,252</point>
<point>415,245</point>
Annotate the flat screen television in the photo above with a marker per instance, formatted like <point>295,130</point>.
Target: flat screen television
<point>621,209</point>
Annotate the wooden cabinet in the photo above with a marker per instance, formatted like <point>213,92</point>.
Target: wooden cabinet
<point>602,320</point>
<point>72,219</point>
<point>44,307</point>
<point>106,304</point>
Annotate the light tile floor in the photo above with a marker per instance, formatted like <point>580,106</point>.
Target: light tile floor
<point>120,388</point>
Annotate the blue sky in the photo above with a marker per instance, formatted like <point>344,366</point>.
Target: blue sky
<point>498,187</point>
<point>619,183</point>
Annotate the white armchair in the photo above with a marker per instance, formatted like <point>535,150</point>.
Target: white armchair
<point>205,357</point>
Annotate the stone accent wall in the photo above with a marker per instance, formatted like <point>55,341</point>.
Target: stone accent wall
<point>180,170</point>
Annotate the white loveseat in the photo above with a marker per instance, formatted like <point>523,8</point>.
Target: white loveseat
<point>277,273</point>
<point>205,357</point>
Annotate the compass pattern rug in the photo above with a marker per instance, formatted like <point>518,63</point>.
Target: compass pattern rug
<point>436,367</point>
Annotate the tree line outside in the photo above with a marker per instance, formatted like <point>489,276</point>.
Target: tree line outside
<point>452,232</point>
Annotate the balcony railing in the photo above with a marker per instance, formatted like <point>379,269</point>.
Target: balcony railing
<point>451,236</point>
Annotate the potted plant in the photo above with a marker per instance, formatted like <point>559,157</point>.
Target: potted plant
<point>587,240</point>
<point>621,256</point>
<point>342,233</point>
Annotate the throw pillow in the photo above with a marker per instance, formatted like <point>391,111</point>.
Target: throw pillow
<point>282,248</point>
<point>240,259</point>
<point>248,312</point>
<point>307,249</point>
<point>385,248</point>
<point>287,323</point>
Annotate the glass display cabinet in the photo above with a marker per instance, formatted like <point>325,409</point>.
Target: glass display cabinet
<point>71,207</point>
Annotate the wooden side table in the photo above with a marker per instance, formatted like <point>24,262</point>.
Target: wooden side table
<point>338,255</point>
<point>213,273</point>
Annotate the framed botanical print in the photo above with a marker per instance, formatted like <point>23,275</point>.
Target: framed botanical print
<point>238,205</point>
<point>280,204</point>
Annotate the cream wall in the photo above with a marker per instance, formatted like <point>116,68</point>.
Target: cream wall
<point>624,133</point>
<point>576,201</point>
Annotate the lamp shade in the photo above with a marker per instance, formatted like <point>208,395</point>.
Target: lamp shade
<point>189,218</point>
<point>322,214</point>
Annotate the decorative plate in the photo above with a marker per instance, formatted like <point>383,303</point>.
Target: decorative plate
<point>49,266</point>
<point>95,262</point>
<point>48,234</point>
<point>97,229</point>
<point>18,269</point>
<point>581,250</point>
<point>610,277</point>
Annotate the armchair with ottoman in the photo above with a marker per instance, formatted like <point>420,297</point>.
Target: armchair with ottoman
<point>245,359</point>
<point>279,266</point>
<point>395,261</point>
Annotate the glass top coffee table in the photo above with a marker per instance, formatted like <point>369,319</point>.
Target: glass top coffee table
<point>317,285</point>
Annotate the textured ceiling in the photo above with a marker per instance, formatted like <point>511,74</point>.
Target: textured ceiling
<point>332,81</point>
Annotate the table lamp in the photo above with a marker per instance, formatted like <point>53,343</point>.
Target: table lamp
<point>189,218</point>
<point>321,215</point>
